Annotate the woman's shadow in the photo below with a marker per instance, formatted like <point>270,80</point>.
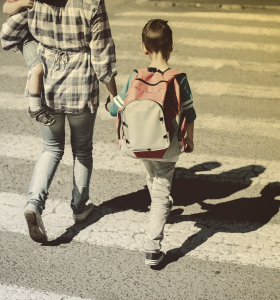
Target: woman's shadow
<point>237,216</point>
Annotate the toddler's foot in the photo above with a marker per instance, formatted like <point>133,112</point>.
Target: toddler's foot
<point>42,116</point>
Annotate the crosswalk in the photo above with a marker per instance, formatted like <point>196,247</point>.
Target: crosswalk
<point>234,78</point>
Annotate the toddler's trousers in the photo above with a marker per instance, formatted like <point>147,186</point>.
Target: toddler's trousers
<point>159,181</point>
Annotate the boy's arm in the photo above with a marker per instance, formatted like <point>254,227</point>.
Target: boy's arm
<point>189,137</point>
<point>12,7</point>
<point>189,112</point>
<point>117,102</point>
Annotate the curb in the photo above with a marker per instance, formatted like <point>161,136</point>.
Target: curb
<point>205,5</point>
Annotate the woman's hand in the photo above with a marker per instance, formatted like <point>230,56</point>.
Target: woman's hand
<point>109,99</point>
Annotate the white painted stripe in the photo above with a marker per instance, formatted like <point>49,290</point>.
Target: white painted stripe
<point>14,292</point>
<point>13,101</point>
<point>222,88</point>
<point>212,44</point>
<point>217,88</point>
<point>219,63</point>
<point>127,229</point>
<point>204,27</point>
<point>14,71</point>
<point>221,44</point>
<point>107,157</point>
<point>204,15</point>
<point>189,61</point>
<point>250,126</point>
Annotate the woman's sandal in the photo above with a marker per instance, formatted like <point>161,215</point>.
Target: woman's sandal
<point>42,116</point>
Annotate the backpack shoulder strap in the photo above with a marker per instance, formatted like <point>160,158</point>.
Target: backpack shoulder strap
<point>174,73</point>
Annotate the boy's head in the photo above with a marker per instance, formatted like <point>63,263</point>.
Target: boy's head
<point>157,37</point>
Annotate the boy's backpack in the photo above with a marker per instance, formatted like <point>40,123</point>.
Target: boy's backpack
<point>151,124</point>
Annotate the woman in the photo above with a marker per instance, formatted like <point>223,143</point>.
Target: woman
<point>77,51</point>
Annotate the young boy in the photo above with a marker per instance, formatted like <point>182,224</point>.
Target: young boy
<point>28,47</point>
<point>158,44</point>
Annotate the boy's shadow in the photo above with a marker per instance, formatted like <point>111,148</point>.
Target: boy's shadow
<point>200,187</point>
<point>185,192</point>
<point>237,216</point>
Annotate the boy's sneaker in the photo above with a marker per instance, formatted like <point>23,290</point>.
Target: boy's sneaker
<point>81,217</point>
<point>42,116</point>
<point>153,259</point>
<point>35,224</point>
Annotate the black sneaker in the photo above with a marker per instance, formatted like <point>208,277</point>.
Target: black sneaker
<point>153,259</point>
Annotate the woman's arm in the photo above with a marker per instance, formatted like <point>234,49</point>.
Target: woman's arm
<point>10,8</point>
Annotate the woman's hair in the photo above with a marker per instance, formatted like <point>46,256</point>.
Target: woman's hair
<point>157,36</point>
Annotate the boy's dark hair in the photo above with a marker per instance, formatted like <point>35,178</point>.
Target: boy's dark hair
<point>157,36</point>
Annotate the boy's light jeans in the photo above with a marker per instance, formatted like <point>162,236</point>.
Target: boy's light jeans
<point>159,180</point>
<point>81,127</point>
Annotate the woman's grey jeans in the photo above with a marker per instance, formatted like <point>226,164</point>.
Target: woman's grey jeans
<point>81,127</point>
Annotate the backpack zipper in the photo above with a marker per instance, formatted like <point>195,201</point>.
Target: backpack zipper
<point>152,84</point>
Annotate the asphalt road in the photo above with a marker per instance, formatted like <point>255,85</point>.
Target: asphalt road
<point>222,238</point>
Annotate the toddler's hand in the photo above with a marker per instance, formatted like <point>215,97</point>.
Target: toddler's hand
<point>190,145</point>
<point>27,3</point>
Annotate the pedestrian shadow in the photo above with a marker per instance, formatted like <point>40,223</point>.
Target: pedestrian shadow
<point>185,191</point>
<point>241,215</point>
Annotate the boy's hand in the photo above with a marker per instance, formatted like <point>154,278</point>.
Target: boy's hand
<point>27,3</point>
<point>190,145</point>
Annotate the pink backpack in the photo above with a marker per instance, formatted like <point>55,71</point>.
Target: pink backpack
<point>151,124</point>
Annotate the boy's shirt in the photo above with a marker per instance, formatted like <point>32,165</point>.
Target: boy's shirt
<point>185,91</point>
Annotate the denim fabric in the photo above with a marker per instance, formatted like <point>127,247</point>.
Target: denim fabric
<point>81,127</point>
<point>159,181</point>
<point>28,47</point>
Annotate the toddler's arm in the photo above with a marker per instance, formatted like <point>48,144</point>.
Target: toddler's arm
<point>12,7</point>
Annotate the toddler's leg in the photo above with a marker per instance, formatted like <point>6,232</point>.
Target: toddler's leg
<point>161,204</point>
<point>36,110</point>
<point>28,48</point>
<point>34,87</point>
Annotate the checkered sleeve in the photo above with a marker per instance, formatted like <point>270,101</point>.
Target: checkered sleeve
<point>14,30</point>
<point>103,56</point>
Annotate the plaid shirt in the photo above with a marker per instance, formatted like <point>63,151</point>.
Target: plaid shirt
<point>14,30</point>
<point>77,51</point>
